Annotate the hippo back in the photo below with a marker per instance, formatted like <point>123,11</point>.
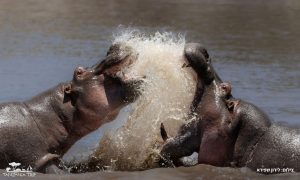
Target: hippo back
<point>278,148</point>
<point>19,136</point>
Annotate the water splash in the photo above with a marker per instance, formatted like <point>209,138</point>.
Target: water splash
<point>167,94</point>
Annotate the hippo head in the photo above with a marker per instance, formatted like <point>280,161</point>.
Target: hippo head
<point>99,92</point>
<point>217,126</point>
<point>213,113</point>
<point>251,123</point>
<point>226,126</point>
<point>212,129</point>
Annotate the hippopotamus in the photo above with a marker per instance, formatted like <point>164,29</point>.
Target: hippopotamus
<point>260,144</point>
<point>226,131</point>
<point>39,131</point>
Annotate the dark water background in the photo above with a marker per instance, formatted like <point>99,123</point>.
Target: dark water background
<point>254,44</point>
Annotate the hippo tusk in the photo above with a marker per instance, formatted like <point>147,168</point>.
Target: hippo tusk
<point>185,65</point>
<point>163,132</point>
<point>43,161</point>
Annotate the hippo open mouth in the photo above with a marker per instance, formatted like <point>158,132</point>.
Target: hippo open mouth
<point>118,59</point>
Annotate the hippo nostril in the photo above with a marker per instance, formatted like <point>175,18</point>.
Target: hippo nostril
<point>223,87</point>
<point>208,60</point>
<point>79,70</point>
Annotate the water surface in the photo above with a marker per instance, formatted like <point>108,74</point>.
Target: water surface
<point>255,44</point>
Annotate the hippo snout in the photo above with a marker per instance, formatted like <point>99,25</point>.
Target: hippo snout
<point>82,73</point>
<point>198,58</point>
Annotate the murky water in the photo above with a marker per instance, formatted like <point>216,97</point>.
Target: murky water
<point>197,172</point>
<point>255,44</point>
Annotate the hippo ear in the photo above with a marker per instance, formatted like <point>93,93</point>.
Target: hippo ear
<point>231,105</point>
<point>67,88</point>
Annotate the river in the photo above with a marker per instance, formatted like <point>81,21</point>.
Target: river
<point>255,44</point>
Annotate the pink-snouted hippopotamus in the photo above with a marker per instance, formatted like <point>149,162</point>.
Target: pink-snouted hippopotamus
<point>229,132</point>
<point>39,131</point>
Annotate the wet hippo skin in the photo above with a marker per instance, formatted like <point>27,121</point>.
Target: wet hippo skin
<point>39,131</point>
<point>201,135</point>
<point>225,131</point>
<point>261,143</point>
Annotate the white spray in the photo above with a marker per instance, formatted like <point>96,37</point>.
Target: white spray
<point>166,97</point>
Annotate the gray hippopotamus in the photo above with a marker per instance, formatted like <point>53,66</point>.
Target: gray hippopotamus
<point>39,131</point>
<point>229,132</point>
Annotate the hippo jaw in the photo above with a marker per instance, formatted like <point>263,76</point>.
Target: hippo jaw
<point>120,58</point>
<point>132,89</point>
